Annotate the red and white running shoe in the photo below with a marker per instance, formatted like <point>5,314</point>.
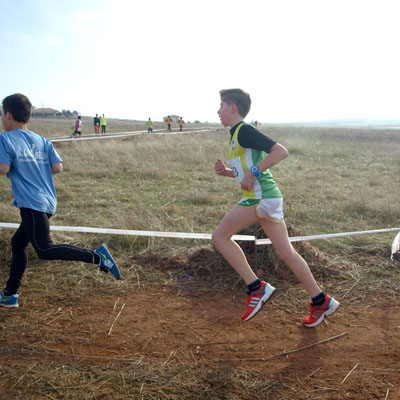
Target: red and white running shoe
<point>256,299</point>
<point>318,313</point>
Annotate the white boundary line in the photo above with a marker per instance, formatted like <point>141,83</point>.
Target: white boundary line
<point>126,134</point>
<point>187,235</point>
<point>98,135</point>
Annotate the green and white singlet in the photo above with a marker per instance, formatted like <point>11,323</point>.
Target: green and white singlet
<point>241,159</point>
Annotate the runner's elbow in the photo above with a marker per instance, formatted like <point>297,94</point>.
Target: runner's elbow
<point>281,151</point>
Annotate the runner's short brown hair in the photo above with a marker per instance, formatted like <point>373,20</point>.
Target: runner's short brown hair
<point>238,97</point>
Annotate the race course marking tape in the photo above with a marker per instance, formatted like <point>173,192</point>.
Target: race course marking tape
<point>330,235</point>
<point>85,229</point>
<point>187,235</point>
<point>126,134</point>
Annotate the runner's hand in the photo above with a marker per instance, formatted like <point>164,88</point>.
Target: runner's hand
<point>247,181</point>
<point>219,167</point>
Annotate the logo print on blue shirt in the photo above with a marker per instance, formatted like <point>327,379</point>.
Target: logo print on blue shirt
<point>29,155</point>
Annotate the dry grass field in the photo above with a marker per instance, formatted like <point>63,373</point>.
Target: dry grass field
<point>171,328</point>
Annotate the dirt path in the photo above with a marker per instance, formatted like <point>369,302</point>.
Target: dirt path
<point>165,325</point>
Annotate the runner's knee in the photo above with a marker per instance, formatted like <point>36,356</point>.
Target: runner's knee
<point>16,243</point>
<point>43,254</point>
<point>218,238</point>
<point>286,254</point>
<point>214,238</point>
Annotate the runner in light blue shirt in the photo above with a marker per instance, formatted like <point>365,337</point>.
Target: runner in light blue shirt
<point>30,162</point>
<point>30,157</point>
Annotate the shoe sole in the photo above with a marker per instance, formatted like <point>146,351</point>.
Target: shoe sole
<point>332,309</point>
<point>267,295</point>
<point>114,270</point>
<point>12,306</point>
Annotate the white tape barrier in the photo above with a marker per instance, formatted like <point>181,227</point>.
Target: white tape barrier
<point>126,134</point>
<point>187,235</point>
<point>98,135</point>
<point>330,235</point>
<point>85,229</point>
<point>395,245</point>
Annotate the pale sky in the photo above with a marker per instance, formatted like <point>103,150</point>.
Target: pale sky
<point>300,60</point>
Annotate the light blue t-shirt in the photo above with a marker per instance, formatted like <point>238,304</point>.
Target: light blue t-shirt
<point>30,157</point>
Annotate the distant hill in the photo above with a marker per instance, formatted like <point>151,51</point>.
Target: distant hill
<point>354,122</point>
<point>44,112</point>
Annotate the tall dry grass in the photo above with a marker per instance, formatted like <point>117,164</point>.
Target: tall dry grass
<point>335,180</point>
<point>342,179</point>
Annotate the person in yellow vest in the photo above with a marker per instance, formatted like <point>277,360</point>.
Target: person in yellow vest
<point>149,126</point>
<point>251,155</point>
<point>181,124</point>
<point>103,123</point>
<point>169,122</point>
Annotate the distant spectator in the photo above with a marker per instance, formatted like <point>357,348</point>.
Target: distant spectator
<point>78,127</point>
<point>103,123</point>
<point>96,123</point>
<point>180,124</point>
<point>169,122</point>
<point>149,126</point>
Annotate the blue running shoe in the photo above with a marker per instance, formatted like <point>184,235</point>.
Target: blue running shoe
<point>8,301</point>
<point>107,263</point>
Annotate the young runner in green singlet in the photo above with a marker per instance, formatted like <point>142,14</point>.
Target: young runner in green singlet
<point>251,154</point>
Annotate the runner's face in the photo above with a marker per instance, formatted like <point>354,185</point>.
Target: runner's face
<point>225,112</point>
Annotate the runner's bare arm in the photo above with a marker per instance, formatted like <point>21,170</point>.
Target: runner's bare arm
<point>56,168</point>
<point>277,153</point>
<point>4,168</point>
<point>220,169</point>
